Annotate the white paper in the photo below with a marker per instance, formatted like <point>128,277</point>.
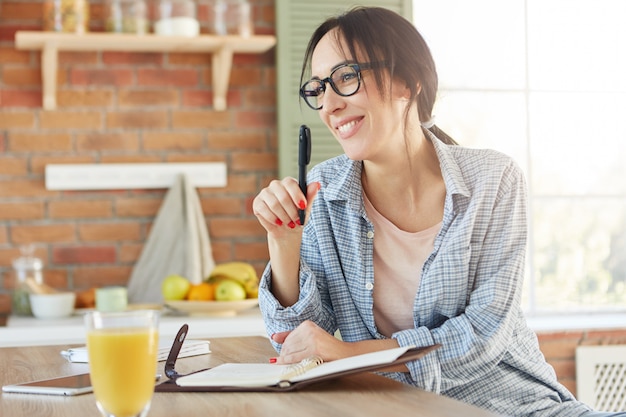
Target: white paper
<point>189,348</point>
<point>352,362</point>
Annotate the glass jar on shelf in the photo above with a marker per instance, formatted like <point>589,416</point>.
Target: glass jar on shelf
<point>126,16</point>
<point>66,16</point>
<point>177,18</point>
<point>232,17</point>
<point>26,267</point>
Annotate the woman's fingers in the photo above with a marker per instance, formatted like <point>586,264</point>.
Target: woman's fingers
<point>278,203</point>
<point>280,337</point>
<point>270,205</point>
<point>308,339</point>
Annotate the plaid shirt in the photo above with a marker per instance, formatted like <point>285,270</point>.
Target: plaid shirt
<point>469,296</point>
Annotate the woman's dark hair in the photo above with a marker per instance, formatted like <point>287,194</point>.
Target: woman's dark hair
<point>382,35</point>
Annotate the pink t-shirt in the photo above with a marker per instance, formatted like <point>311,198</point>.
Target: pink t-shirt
<point>398,260</point>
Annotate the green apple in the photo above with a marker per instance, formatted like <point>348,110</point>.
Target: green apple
<point>175,287</point>
<point>229,290</point>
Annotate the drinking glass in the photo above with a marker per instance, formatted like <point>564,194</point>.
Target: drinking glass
<point>122,348</point>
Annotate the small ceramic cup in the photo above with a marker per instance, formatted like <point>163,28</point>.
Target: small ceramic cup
<point>111,299</point>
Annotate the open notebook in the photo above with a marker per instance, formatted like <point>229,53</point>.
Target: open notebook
<point>273,377</point>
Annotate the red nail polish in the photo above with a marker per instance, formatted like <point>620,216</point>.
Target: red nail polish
<point>298,222</point>
<point>291,225</point>
<point>273,360</point>
<point>278,222</point>
<point>302,204</point>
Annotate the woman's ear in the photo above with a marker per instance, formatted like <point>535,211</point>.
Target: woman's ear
<point>406,93</point>
<point>401,91</point>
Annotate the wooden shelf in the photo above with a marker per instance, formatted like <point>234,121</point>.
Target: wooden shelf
<point>222,49</point>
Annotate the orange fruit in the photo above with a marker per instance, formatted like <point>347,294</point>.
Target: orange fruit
<point>201,292</point>
<point>85,298</point>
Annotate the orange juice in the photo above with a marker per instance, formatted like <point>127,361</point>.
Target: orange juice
<point>123,363</point>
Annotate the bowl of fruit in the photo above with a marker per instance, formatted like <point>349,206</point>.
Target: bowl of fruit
<point>230,288</point>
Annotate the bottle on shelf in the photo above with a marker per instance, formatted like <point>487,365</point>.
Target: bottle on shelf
<point>66,16</point>
<point>177,18</point>
<point>127,16</point>
<point>232,17</point>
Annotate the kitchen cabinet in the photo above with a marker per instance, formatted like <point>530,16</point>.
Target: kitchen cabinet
<point>221,49</point>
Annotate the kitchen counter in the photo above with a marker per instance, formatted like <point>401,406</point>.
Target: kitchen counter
<point>29,331</point>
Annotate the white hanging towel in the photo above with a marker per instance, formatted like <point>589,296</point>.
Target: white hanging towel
<point>178,244</point>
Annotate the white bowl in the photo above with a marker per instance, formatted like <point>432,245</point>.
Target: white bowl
<point>52,306</point>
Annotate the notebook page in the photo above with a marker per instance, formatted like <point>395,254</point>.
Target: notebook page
<point>236,375</point>
<point>352,362</point>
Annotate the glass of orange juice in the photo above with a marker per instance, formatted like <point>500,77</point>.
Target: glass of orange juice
<point>122,350</point>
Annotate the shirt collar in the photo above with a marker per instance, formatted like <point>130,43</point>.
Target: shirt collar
<point>452,175</point>
<point>347,184</point>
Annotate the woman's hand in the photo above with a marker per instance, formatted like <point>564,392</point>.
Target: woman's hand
<point>276,206</point>
<point>307,340</point>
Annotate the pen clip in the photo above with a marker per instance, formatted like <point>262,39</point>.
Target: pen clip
<point>170,363</point>
<point>304,148</point>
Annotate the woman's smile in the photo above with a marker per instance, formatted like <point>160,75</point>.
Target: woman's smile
<point>348,128</point>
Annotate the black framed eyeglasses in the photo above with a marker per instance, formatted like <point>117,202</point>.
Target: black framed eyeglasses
<point>345,80</point>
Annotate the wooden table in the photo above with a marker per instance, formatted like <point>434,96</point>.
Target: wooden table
<point>364,395</point>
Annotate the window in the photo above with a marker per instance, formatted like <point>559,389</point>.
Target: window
<point>543,81</point>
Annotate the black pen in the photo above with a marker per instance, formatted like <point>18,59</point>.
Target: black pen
<point>304,157</point>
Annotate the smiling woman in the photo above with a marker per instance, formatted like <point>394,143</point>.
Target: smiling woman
<point>409,239</point>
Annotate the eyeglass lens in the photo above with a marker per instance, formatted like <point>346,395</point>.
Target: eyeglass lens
<point>344,80</point>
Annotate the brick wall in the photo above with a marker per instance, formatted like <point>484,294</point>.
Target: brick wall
<point>126,107</point>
